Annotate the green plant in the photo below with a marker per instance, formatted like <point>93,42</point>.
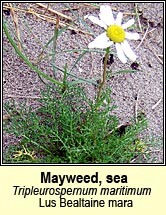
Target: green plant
<point>69,126</point>
<point>68,129</point>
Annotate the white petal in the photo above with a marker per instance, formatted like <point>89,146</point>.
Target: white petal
<point>128,51</point>
<point>101,41</point>
<point>128,23</point>
<point>97,21</point>
<point>86,16</point>
<point>132,36</point>
<point>106,15</point>
<point>119,19</point>
<point>120,53</point>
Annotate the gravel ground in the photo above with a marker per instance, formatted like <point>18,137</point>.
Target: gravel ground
<point>20,82</point>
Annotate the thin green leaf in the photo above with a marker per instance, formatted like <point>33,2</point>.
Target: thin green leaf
<point>81,20</point>
<point>72,75</point>
<point>78,59</point>
<point>35,143</point>
<point>56,67</point>
<point>65,75</point>
<point>81,50</point>
<point>21,55</point>
<point>126,71</point>
<point>55,37</point>
<point>59,33</point>
<point>65,27</point>
<point>91,81</point>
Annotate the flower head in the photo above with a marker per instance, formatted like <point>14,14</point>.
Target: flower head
<point>114,33</point>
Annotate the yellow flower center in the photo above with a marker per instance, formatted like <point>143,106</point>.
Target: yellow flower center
<point>115,33</point>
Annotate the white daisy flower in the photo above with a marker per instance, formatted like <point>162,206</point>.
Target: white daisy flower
<point>114,33</point>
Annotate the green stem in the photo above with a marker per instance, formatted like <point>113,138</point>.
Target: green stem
<point>65,79</point>
<point>104,75</point>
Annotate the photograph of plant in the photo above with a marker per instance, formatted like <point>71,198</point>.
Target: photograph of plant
<point>82,83</point>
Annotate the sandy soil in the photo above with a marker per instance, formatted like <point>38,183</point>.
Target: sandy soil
<point>20,82</point>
